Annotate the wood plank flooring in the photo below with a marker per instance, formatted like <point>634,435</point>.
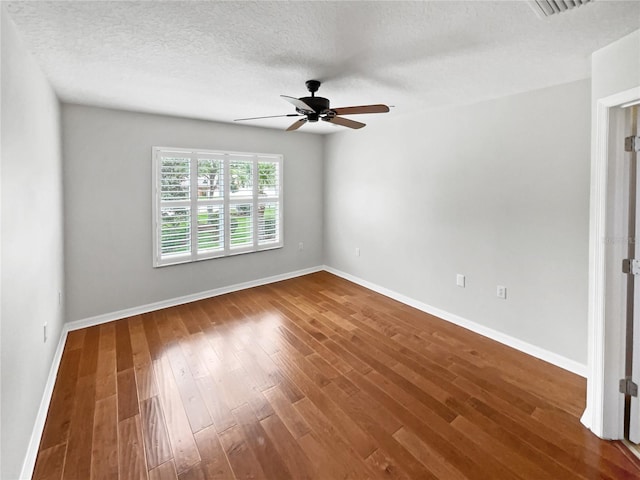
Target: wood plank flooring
<point>312,378</point>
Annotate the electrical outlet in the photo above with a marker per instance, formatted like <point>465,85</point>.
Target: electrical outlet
<point>502,292</point>
<point>357,251</point>
<point>44,332</point>
<point>460,280</point>
<point>301,246</point>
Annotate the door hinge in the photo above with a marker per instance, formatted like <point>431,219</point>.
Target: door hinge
<point>631,265</point>
<point>632,144</point>
<point>628,387</point>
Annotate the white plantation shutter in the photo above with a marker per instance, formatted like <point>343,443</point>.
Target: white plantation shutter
<point>269,214</point>
<point>241,226</point>
<point>241,174</point>
<point>268,220</point>
<point>210,228</point>
<point>210,204</point>
<point>175,214</point>
<point>175,224</point>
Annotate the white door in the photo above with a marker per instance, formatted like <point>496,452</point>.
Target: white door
<point>633,342</point>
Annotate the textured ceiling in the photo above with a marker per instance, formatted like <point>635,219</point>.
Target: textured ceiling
<point>232,59</point>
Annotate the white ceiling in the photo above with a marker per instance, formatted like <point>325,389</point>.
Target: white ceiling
<point>225,60</point>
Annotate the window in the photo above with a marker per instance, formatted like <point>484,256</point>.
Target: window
<point>210,204</point>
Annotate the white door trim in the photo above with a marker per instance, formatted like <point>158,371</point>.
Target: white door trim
<point>603,410</point>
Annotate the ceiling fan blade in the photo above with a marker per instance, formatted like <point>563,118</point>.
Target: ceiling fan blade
<point>361,109</point>
<point>270,116</point>
<point>345,122</point>
<point>297,124</point>
<point>299,104</point>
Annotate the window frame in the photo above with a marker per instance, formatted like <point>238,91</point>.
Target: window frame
<point>226,200</point>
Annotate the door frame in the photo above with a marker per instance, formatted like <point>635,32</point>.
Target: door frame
<point>604,413</point>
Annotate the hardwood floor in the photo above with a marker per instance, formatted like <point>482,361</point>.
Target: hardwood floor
<point>313,377</point>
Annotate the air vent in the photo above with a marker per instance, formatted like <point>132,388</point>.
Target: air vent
<point>545,8</point>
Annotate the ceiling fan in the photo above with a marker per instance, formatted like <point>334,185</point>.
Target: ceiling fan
<point>318,108</point>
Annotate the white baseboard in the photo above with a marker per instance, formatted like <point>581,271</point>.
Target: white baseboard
<point>172,302</point>
<point>533,350</point>
<point>34,442</point>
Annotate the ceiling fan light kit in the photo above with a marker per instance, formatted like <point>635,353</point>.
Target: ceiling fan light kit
<point>319,108</point>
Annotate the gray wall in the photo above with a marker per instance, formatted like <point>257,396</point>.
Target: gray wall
<point>498,191</point>
<point>32,242</point>
<point>108,225</point>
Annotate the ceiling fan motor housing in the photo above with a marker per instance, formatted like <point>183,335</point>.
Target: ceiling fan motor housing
<point>319,105</point>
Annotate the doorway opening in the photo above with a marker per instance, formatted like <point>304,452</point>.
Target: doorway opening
<point>629,383</point>
<point>609,245</point>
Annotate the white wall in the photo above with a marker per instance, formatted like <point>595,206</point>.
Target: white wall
<point>108,224</point>
<point>32,242</point>
<point>498,191</point>
<point>616,67</point>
